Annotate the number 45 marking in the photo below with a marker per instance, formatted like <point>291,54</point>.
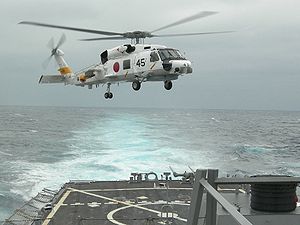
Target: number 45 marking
<point>141,62</point>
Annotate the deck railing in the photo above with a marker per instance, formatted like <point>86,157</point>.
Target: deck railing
<point>209,180</point>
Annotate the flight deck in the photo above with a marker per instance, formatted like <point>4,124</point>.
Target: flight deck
<point>121,202</point>
<point>145,199</point>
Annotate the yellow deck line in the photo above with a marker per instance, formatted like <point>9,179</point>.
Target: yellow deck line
<point>56,207</point>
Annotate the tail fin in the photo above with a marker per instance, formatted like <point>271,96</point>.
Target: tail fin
<point>64,69</point>
<point>58,54</point>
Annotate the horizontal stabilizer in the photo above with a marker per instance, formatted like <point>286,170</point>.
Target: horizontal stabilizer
<point>54,79</point>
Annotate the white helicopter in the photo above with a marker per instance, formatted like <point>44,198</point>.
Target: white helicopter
<point>136,62</point>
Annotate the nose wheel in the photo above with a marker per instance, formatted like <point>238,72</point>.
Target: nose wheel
<point>168,85</point>
<point>108,94</point>
<point>136,85</point>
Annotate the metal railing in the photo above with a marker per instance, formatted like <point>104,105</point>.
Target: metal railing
<point>29,212</point>
<point>209,180</point>
<point>212,197</point>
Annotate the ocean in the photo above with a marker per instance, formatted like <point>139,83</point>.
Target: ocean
<point>48,146</point>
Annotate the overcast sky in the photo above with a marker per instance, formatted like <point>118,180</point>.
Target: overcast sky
<point>257,67</point>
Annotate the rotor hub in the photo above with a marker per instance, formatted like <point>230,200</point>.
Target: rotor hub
<point>137,34</point>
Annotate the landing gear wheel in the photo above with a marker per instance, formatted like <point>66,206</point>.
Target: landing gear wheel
<point>108,94</point>
<point>136,85</point>
<point>168,85</point>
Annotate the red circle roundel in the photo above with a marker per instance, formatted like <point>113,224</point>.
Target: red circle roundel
<point>116,67</point>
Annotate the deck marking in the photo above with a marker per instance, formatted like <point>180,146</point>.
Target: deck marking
<point>94,204</point>
<point>121,202</point>
<point>175,216</point>
<point>56,207</point>
<point>111,213</point>
<point>76,204</point>
<point>142,197</point>
<point>110,203</point>
<point>113,200</point>
<point>136,189</point>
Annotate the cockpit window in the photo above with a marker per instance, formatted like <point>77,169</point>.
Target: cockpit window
<point>169,54</point>
<point>154,57</point>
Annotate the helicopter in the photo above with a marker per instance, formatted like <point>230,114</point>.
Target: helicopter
<point>136,62</point>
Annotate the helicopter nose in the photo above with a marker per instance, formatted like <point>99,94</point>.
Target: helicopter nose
<point>182,66</point>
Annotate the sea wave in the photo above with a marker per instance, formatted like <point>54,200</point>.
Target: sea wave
<point>48,146</point>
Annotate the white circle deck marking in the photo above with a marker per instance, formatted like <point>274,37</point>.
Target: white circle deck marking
<point>175,216</point>
<point>126,203</point>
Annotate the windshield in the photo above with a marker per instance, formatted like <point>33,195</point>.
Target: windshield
<point>169,54</point>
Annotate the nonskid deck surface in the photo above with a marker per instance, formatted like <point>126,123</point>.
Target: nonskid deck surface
<point>145,201</point>
<point>148,202</point>
<point>122,202</point>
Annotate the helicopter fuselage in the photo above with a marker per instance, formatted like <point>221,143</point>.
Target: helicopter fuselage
<point>140,62</point>
<point>126,63</point>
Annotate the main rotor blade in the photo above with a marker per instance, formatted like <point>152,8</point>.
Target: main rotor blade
<point>187,19</point>
<point>191,34</point>
<point>104,38</point>
<point>71,28</point>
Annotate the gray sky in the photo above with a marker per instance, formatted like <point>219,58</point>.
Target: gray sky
<point>256,67</point>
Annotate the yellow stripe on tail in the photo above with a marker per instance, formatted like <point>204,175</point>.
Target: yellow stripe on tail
<point>65,70</point>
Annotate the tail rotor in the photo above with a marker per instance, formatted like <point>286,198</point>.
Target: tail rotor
<point>54,49</point>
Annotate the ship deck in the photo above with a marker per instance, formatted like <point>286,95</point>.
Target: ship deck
<point>121,202</point>
<point>143,201</point>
